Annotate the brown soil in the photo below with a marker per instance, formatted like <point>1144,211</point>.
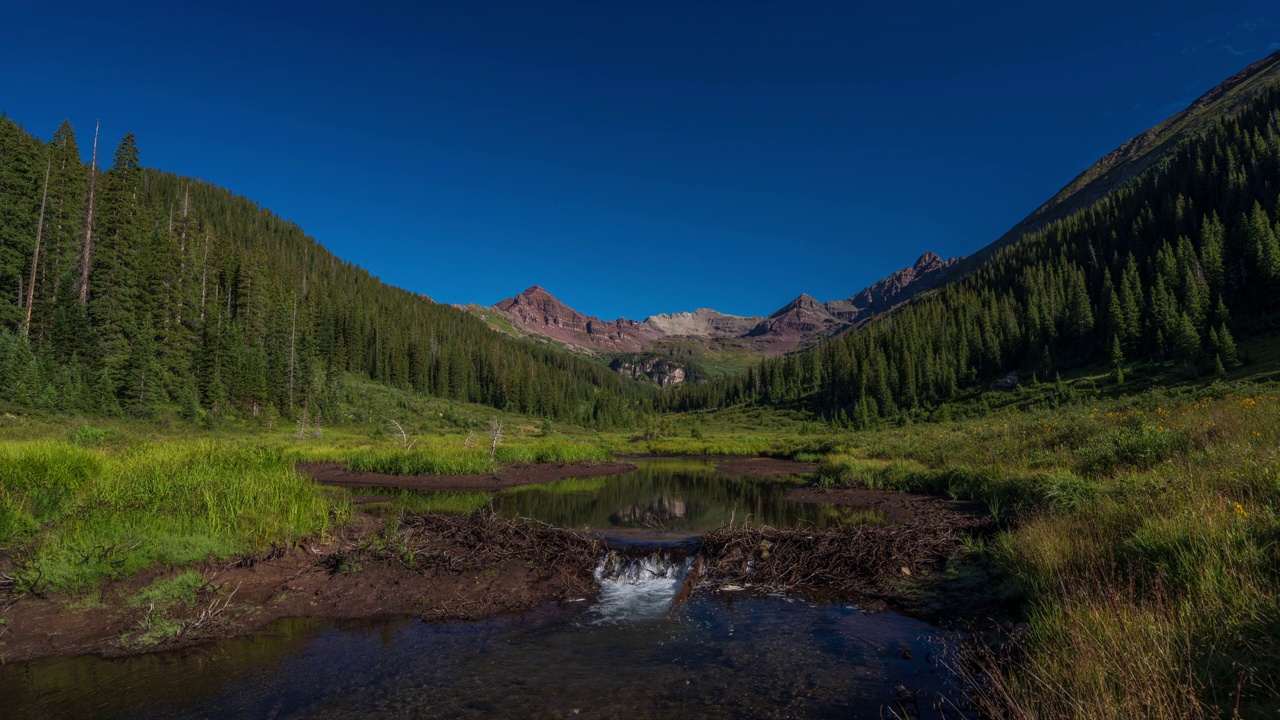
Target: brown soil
<point>437,567</point>
<point>764,467</point>
<point>914,565</point>
<point>900,508</point>
<point>511,475</point>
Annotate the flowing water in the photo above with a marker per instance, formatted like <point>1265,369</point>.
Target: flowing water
<point>628,652</point>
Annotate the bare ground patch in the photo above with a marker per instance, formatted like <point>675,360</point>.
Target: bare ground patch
<point>765,467</point>
<point>434,566</point>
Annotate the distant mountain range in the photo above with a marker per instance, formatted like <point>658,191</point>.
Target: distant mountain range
<point>705,331</point>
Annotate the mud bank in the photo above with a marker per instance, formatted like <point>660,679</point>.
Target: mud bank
<point>765,467</point>
<point>435,566</point>
<point>901,508</point>
<point>511,475</point>
<point>445,567</point>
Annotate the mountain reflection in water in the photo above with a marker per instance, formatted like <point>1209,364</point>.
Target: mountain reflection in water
<point>681,495</point>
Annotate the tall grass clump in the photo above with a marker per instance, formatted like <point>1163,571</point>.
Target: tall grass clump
<point>712,446</point>
<point>1146,545</point>
<point>74,516</point>
<point>431,461</point>
<point>451,456</point>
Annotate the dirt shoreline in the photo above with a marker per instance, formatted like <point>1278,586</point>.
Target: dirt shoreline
<point>511,475</point>
<point>765,467</point>
<point>459,568</point>
<point>447,567</point>
<point>901,508</point>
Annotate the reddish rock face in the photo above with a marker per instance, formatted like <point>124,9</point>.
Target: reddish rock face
<point>800,322</point>
<point>540,313</point>
<point>796,323</point>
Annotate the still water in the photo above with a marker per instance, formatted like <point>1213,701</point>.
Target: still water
<point>678,496</point>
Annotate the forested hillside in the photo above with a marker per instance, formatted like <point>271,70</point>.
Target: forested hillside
<point>1172,266</point>
<point>133,290</point>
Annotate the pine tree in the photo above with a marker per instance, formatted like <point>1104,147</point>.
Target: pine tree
<point>115,282</point>
<point>1117,359</point>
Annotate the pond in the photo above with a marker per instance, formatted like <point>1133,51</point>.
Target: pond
<point>679,497</point>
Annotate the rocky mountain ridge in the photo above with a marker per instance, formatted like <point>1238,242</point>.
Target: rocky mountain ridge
<point>800,322</point>
<point>1140,152</point>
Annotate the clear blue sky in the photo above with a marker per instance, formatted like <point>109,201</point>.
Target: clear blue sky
<point>632,158</point>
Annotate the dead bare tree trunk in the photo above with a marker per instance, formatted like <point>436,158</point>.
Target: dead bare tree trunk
<point>302,423</point>
<point>35,254</point>
<point>182,252</point>
<point>293,341</point>
<point>87,250</point>
<point>204,275</point>
<point>495,432</point>
<point>404,437</point>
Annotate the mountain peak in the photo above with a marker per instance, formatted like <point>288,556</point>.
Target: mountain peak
<point>881,296</point>
<point>804,300</point>
<point>797,323</point>
<point>928,259</point>
<point>539,312</point>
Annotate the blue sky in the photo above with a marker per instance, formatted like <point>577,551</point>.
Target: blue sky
<point>632,158</point>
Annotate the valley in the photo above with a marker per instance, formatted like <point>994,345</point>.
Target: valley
<point>242,476</point>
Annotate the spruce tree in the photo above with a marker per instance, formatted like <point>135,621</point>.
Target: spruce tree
<point>1117,359</point>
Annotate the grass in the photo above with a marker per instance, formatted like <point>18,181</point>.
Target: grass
<point>1145,533</point>
<point>167,592</point>
<point>73,516</point>
<point>1147,546</point>
<point>450,456</point>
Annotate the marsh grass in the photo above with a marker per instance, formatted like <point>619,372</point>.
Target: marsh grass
<point>167,592</point>
<point>1144,534</point>
<point>450,456</point>
<point>709,446</point>
<point>1146,546</point>
<point>73,515</point>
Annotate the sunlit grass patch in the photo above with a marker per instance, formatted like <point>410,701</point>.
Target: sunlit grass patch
<point>712,446</point>
<point>426,461</point>
<point>74,515</point>
<point>470,455</point>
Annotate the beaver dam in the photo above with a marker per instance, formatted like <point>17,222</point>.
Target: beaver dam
<point>674,590</point>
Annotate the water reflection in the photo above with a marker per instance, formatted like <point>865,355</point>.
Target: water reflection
<point>685,496</point>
